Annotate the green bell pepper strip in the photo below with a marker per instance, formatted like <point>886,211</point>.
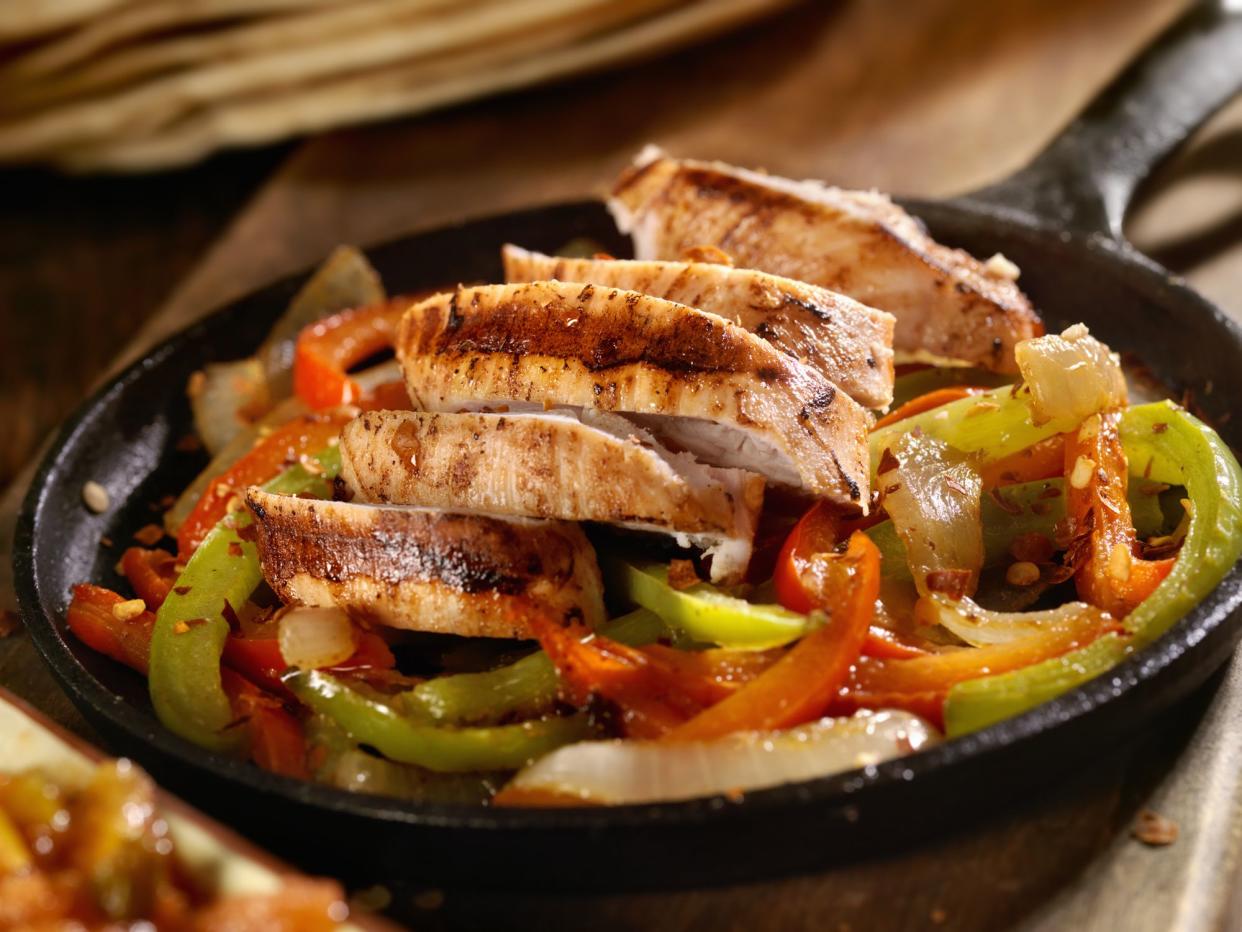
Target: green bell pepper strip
<point>521,689</point>
<point>191,628</point>
<point>702,612</point>
<point>1001,526</point>
<point>404,739</point>
<point>1174,447</point>
<point>913,384</point>
<point>992,426</point>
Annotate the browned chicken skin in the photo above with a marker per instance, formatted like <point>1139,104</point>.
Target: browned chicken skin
<point>591,466</point>
<point>698,382</point>
<point>423,569</point>
<point>947,303</point>
<point>845,341</point>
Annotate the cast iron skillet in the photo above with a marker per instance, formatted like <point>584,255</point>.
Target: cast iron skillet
<point>1059,219</point>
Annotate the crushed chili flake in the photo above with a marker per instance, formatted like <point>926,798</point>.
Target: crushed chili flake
<point>1004,504</point>
<point>1050,491</point>
<point>1040,508</point>
<point>149,535</point>
<point>180,628</point>
<point>235,549</point>
<point>1032,547</point>
<point>182,590</point>
<point>1153,829</point>
<point>939,916</point>
<point>952,583</point>
<point>682,574</point>
<point>1159,427</point>
<point>248,533</point>
<point>105,541</point>
<point>888,462</point>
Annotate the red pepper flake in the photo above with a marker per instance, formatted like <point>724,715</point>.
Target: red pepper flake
<point>248,533</point>
<point>1153,829</point>
<point>1159,427</point>
<point>1013,390</point>
<point>105,541</point>
<point>682,574</point>
<point>167,501</point>
<point>149,535</point>
<point>1032,547</point>
<point>888,462</point>
<point>235,549</point>
<point>182,590</point>
<point>952,583</point>
<point>1050,491</point>
<point>230,615</point>
<point>939,916</point>
<point>1040,508</point>
<point>734,794</point>
<point>1004,504</point>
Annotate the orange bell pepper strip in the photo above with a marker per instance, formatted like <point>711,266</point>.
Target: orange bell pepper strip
<point>276,740</point>
<point>91,619</point>
<point>932,399</point>
<point>803,683</point>
<point>1042,460</point>
<point>1111,576</point>
<point>652,692</point>
<point>278,450</point>
<point>152,574</point>
<point>327,349</point>
<point>921,684</point>
<point>795,581</point>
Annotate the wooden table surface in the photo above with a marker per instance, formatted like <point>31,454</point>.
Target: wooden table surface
<point>929,98</point>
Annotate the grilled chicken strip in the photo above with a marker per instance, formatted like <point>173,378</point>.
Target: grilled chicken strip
<point>423,569</point>
<point>697,381</point>
<point>848,343</point>
<point>586,466</point>
<point>947,303</point>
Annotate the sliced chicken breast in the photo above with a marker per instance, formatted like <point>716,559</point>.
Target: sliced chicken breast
<point>947,303</point>
<point>584,466</point>
<point>697,381</point>
<point>848,343</point>
<point>423,569</point>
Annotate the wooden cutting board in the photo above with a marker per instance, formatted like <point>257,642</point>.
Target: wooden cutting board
<point>928,99</point>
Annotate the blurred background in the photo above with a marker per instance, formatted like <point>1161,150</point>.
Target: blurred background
<point>158,157</point>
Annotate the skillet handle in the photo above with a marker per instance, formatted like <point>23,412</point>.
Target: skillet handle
<point>1083,181</point>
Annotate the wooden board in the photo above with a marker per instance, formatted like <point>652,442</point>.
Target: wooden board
<point>932,99</point>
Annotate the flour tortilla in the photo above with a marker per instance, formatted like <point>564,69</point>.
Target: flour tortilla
<point>155,104</point>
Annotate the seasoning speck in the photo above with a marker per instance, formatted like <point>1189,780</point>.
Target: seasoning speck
<point>1151,828</point>
<point>939,916</point>
<point>95,497</point>
<point>128,610</point>
<point>1022,573</point>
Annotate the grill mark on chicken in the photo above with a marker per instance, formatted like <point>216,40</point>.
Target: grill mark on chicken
<point>845,341</point>
<point>393,563</point>
<point>947,303</point>
<point>589,467</point>
<point>542,346</point>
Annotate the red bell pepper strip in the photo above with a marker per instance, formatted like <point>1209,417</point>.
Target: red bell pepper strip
<point>1112,576</point>
<point>933,399</point>
<point>328,348</point>
<point>795,582</point>
<point>803,683</point>
<point>921,684</point>
<point>151,573</point>
<point>275,738</point>
<point>274,453</point>
<point>260,661</point>
<point>91,619</point>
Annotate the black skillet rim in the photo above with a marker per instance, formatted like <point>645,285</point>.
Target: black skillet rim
<point>836,790</point>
